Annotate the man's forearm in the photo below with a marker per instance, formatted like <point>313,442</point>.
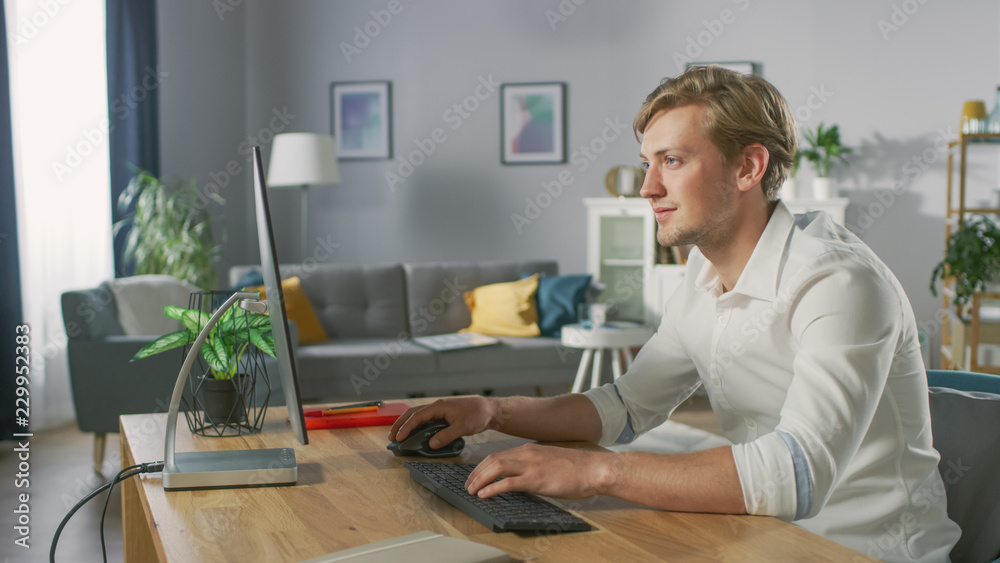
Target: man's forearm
<point>570,417</point>
<point>705,481</point>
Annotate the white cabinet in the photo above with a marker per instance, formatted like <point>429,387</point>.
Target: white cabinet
<point>622,253</point>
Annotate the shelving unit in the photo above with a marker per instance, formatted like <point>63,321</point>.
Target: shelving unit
<point>965,328</point>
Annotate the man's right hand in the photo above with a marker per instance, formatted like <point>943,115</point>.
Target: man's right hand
<point>465,416</point>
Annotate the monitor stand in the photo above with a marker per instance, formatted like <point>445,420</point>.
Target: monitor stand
<point>231,468</point>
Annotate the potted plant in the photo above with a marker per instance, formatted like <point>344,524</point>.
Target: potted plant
<point>223,391</point>
<point>824,149</point>
<point>170,230</point>
<point>971,258</point>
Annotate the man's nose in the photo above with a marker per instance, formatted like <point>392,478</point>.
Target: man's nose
<point>651,184</point>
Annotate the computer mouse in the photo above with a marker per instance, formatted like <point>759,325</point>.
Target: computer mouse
<point>417,443</point>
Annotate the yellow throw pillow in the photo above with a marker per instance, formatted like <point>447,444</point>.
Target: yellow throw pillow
<point>504,309</point>
<point>299,309</point>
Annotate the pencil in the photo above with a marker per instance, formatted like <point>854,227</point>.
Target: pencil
<point>347,410</point>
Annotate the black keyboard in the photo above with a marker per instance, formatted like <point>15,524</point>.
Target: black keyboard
<point>506,512</point>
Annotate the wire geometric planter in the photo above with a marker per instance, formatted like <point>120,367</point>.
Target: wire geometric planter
<point>231,406</point>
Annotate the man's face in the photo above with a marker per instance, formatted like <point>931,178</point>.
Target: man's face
<point>687,182</point>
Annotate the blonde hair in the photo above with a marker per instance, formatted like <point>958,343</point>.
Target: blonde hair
<point>740,110</point>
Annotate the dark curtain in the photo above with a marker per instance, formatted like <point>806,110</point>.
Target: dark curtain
<point>11,314</point>
<point>133,101</point>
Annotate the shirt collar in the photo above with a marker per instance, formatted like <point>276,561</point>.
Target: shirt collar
<point>760,275</point>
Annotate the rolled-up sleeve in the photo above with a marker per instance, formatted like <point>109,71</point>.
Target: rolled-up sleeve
<point>661,377</point>
<point>847,322</point>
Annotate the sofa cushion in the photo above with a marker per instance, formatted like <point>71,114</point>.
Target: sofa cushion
<point>558,298</point>
<point>434,290</point>
<point>355,301</point>
<point>299,309</point>
<point>504,309</point>
<point>141,299</point>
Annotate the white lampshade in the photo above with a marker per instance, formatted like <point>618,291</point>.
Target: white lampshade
<point>303,159</point>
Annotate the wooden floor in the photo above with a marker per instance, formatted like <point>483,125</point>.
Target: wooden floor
<point>61,473</point>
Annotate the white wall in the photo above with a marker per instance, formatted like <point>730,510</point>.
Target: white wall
<point>891,91</point>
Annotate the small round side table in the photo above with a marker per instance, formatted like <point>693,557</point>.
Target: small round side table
<point>617,337</point>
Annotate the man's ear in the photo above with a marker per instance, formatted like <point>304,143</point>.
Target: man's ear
<point>752,164</point>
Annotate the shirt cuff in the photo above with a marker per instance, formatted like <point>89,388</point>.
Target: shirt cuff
<point>767,475</point>
<point>615,420</point>
<point>803,476</point>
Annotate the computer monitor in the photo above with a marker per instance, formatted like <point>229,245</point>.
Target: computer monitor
<point>276,302</point>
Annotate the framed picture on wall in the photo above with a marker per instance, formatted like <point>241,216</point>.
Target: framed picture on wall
<point>533,123</point>
<point>361,119</point>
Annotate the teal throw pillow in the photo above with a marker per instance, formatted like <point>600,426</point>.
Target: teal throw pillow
<point>557,300</point>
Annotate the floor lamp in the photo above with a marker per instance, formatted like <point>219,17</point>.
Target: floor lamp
<point>303,160</point>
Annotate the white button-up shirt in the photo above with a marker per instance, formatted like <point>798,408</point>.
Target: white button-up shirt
<point>812,365</point>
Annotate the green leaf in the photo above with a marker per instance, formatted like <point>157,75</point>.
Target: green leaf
<point>194,320</point>
<point>263,343</point>
<point>163,343</point>
<point>221,350</point>
<point>216,363</point>
<point>175,313</point>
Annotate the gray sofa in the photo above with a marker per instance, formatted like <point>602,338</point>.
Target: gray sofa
<point>372,311</point>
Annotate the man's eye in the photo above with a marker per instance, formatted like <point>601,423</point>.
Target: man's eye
<point>644,166</point>
<point>671,160</point>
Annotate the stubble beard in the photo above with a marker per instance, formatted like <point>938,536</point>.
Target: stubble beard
<point>709,235</point>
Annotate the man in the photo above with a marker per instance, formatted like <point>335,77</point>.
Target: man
<point>801,336</point>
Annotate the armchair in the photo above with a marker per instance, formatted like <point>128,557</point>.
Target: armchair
<point>104,383</point>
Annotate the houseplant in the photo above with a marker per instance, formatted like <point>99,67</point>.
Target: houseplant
<point>971,258</point>
<point>170,230</point>
<point>224,393</point>
<point>824,149</point>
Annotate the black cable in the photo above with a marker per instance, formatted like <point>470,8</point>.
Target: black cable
<point>122,475</point>
<point>104,549</point>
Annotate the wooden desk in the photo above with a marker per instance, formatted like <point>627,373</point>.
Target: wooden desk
<point>352,491</point>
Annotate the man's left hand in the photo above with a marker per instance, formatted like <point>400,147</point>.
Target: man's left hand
<point>545,470</point>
